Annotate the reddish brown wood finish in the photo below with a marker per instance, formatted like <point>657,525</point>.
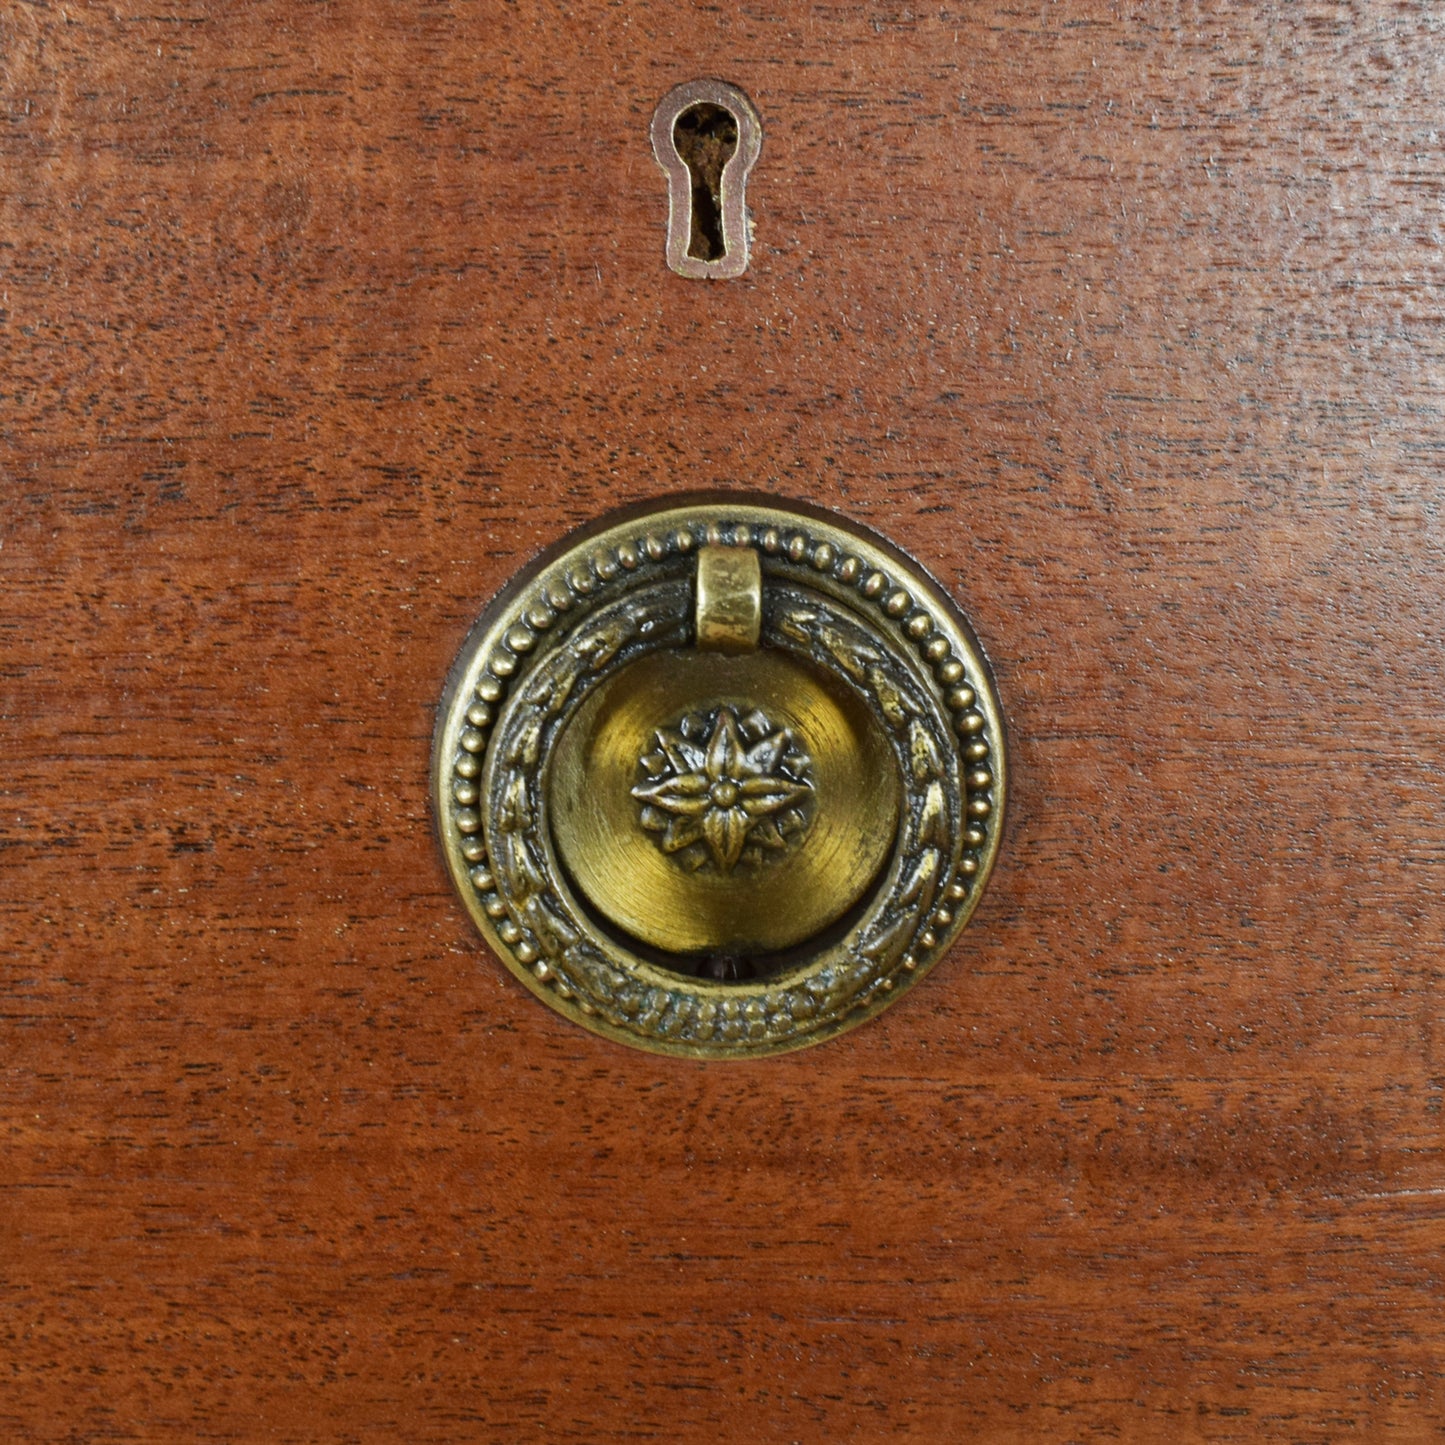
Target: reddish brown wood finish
<point>320,319</point>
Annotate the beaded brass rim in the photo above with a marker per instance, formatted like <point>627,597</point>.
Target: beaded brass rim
<point>836,600</point>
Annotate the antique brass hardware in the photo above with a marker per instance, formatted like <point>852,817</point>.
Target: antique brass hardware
<point>706,135</point>
<point>720,777</point>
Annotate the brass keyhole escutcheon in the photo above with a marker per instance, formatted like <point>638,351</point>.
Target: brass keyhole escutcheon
<point>720,777</point>
<point>707,135</point>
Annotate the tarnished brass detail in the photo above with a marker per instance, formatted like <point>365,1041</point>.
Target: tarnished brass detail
<point>717,786</point>
<point>829,838</point>
<point>720,853</point>
<point>729,599</point>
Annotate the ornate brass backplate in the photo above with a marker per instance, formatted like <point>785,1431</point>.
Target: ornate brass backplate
<point>720,777</point>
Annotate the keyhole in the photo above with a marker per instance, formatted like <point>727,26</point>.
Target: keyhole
<point>706,137</point>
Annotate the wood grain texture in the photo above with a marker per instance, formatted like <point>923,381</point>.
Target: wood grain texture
<point>318,320</point>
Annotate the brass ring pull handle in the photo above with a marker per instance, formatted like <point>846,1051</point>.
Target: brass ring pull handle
<point>720,778</point>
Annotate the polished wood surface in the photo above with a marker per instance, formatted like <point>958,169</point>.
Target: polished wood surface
<point>318,320</point>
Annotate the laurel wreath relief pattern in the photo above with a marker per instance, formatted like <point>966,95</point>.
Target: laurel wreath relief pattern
<point>644,999</point>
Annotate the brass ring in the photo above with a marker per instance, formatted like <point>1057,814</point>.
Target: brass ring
<point>591,765</point>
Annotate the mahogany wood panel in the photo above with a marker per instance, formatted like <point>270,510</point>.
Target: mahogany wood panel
<point>319,319</point>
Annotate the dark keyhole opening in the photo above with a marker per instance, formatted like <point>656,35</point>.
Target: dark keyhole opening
<point>706,136</point>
